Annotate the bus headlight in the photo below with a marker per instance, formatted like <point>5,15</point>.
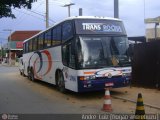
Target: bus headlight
<point>86,77</point>
<point>92,77</point>
<point>126,74</point>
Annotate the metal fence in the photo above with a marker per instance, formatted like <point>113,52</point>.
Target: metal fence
<point>146,64</point>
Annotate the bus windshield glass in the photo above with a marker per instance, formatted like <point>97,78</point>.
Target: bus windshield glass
<point>100,52</point>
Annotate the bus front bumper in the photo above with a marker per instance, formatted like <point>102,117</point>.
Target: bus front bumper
<point>99,84</point>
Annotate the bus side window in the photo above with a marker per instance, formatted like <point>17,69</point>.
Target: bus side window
<point>40,41</point>
<point>67,31</point>
<point>56,37</point>
<point>65,55</point>
<point>48,39</point>
<point>34,42</point>
<point>68,57</point>
<point>30,45</point>
<point>72,55</point>
<point>26,46</point>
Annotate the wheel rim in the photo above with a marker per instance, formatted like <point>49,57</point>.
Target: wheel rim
<point>23,72</point>
<point>61,82</point>
<point>32,75</point>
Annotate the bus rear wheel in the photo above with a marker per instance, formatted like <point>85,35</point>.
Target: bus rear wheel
<point>61,82</point>
<point>23,73</point>
<point>32,75</point>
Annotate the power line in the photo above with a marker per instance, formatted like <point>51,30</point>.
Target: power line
<point>28,14</point>
<point>34,15</point>
<point>40,15</point>
<point>20,19</point>
<point>42,2</point>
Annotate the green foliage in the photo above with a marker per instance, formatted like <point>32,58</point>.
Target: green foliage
<point>6,5</point>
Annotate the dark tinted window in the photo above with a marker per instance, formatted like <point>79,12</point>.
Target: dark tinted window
<point>59,33</point>
<point>48,39</point>
<point>30,45</point>
<point>34,44</point>
<point>67,31</point>
<point>40,41</point>
<point>26,46</point>
<point>56,38</point>
<point>68,55</point>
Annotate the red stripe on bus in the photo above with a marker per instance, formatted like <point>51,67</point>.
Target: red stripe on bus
<point>49,61</point>
<point>35,73</point>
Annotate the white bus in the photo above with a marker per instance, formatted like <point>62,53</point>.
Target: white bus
<point>80,54</point>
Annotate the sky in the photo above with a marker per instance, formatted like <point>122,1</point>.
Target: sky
<point>131,12</point>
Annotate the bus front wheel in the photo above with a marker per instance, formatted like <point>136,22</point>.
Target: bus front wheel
<point>61,82</point>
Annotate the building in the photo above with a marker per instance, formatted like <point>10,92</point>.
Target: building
<point>152,29</point>
<point>15,44</point>
<point>137,39</point>
<point>152,34</point>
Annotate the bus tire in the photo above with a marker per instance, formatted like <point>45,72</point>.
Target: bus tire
<point>20,73</point>
<point>28,72</point>
<point>32,75</point>
<point>61,82</point>
<point>23,73</point>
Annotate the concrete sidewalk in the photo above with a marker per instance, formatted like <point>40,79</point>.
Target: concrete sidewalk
<point>150,97</point>
<point>7,65</point>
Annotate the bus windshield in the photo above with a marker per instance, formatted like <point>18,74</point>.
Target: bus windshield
<point>100,52</point>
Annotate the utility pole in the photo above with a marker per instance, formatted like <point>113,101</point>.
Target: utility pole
<point>1,52</point>
<point>9,45</point>
<point>47,14</point>
<point>155,29</point>
<point>80,12</point>
<point>69,5</point>
<point>116,9</point>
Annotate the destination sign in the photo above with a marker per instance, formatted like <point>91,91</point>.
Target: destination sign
<point>99,27</point>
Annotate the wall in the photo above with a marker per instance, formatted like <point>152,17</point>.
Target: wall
<point>146,64</point>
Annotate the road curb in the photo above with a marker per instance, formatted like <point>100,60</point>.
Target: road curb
<point>148,105</point>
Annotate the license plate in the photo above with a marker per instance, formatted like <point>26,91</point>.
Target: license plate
<point>109,84</point>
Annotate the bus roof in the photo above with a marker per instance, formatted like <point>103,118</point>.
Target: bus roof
<point>74,18</point>
<point>91,17</point>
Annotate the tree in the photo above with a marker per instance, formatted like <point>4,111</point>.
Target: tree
<point>6,6</point>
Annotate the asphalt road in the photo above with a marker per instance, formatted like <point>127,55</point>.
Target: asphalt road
<point>20,95</point>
